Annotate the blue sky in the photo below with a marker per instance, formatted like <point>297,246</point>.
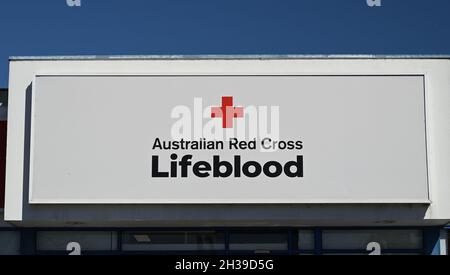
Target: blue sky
<point>118,27</point>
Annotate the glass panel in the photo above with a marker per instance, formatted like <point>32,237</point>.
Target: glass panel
<point>164,241</point>
<point>359,239</point>
<point>90,241</point>
<point>258,241</point>
<point>305,239</point>
<point>368,254</point>
<point>9,243</point>
<point>333,254</point>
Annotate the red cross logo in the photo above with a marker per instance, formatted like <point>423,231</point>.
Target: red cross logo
<point>227,112</point>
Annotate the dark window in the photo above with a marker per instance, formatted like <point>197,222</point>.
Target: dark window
<point>88,240</point>
<point>389,241</point>
<point>173,241</point>
<point>306,240</point>
<point>9,242</point>
<point>259,242</point>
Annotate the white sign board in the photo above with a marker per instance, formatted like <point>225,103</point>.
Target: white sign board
<point>228,139</point>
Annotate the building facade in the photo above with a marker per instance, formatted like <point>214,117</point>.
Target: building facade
<point>226,155</point>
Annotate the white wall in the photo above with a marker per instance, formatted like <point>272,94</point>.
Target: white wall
<point>437,93</point>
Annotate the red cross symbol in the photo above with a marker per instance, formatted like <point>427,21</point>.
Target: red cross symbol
<point>227,112</point>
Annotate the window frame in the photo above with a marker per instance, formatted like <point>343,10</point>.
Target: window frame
<point>292,240</point>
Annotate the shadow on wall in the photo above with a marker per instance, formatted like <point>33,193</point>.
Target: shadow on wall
<point>27,144</point>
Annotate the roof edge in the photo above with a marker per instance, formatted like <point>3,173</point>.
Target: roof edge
<point>220,57</point>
